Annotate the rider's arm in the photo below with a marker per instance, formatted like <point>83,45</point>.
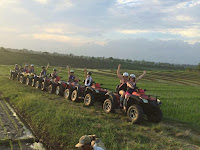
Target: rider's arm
<point>47,66</point>
<point>118,72</point>
<point>129,85</point>
<point>85,72</point>
<point>68,69</point>
<point>141,76</point>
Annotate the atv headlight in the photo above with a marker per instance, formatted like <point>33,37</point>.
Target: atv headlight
<point>158,101</point>
<point>145,101</point>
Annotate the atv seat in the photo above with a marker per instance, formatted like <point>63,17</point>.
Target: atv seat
<point>97,85</point>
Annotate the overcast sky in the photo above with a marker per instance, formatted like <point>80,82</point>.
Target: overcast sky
<point>152,30</point>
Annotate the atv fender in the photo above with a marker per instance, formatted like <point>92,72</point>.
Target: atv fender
<point>134,100</point>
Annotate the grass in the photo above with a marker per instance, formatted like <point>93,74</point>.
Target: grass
<point>60,123</point>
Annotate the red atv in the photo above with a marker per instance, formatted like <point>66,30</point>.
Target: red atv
<point>69,87</point>
<point>138,104</point>
<point>53,83</point>
<point>90,94</point>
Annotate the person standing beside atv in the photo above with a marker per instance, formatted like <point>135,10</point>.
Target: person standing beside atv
<point>131,86</point>
<point>123,84</point>
<point>71,76</point>
<point>88,78</point>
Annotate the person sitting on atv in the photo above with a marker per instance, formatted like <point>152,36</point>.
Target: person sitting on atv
<point>123,84</point>
<point>88,78</point>
<point>31,69</point>
<point>16,68</point>
<point>54,74</point>
<point>71,76</point>
<point>26,68</point>
<point>131,86</point>
<point>44,71</point>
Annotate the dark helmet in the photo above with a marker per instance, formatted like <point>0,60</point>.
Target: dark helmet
<point>54,70</point>
<point>43,67</point>
<point>89,73</point>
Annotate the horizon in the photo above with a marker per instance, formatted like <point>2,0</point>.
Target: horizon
<point>155,30</point>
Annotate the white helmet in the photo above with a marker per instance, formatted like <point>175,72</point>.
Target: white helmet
<point>72,71</point>
<point>125,74</point>
<point>132,75</point>
<point>32,65</point>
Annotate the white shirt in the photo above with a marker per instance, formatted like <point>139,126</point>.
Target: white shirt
<point>88,81</point>
<point>95,147</point>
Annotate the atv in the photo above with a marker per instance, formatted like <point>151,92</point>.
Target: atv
<point>69,87</point>
<point>23,77</point>
<point>90,94</point>
<point>53,83</point>
<point>138,104</point>
<point>39,80</point>
<point>30,79</point>
<point>61,86</point>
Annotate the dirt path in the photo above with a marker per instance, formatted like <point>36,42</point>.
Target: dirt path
<point>13,134</point>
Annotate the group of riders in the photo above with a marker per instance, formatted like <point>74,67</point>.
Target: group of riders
<point>125,89</point>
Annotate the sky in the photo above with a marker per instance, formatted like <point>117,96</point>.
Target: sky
<point>151,30</point>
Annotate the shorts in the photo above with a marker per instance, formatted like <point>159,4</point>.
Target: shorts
<point>127,93</point>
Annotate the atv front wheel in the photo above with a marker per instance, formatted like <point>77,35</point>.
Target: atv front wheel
<point>27,81</point>
<point>135,114</point>
<point>155,116</point>
<point>89,99</point>
<point>108,106</point>
<point>43,86</point>
<point>37,85</point>
<point>68,93</point>
<point>58,90</point>
<point>74,96</point>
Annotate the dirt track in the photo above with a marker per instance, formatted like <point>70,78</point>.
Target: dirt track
<point>13,134</point>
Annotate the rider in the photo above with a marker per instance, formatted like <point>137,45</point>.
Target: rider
<point>88,78</point>
<point>16,68</point>
<point>54,74</point>
<point>123,84</point>
<point>25,68</point>
<point>44,71</point>
<point>32,69</point>
<point>71,76</point>
<point>131,86</point>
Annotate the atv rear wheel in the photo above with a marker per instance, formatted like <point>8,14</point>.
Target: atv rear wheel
<point>22,79</point>
<point>51,89</point>
<point>43,86</point>
<point>37,85</point>
<point>58,90</point>
<point>135,114</point>
<point>33,83</point>
<point>89,99</point>
<point>74,96</point>
<point>108,106</point>
<point>155,116</point>
<point>68,93</point>
<point>27,81</point>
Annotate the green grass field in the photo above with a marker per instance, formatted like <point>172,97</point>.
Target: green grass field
<point>60,123</point>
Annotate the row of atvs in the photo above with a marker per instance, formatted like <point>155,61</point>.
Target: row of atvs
<point>138,103</point>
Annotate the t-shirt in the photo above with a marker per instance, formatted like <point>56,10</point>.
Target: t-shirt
<point>71,78</point>
<point>88,81</point>
<point>95,147</point>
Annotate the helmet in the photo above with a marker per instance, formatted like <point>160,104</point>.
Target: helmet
<point>16,64</point>
<point>125,74</point>
<point>26,65</point>
<point>89,73</point>
<point>72,71</point>
<point>43,67</point>
<point>32,65</point>
<point>132,75</point>
<point>54,70</point>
